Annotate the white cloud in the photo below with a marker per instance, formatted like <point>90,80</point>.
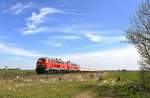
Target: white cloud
<point>82,30</point>
<point>18,51</point>
<point>19,8</point>
<point>58,41</point>
<point>54,44</point>
<point>114,59</point>
<point>109,59</point>
<point>70,37</point>
<point>38,18</point>
<point>31,30</point>
<point>66,37</point>
<point>94,38</point>
<point>97,38</point>
<point>34,21</point>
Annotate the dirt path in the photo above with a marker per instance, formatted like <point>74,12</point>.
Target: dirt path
<point>87,94</point>
<point>90,94</point>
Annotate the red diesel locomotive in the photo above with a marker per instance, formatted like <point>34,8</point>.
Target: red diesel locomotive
<point>55,65</point>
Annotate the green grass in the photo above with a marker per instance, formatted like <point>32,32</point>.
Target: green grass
<point>30,85</point>
<point>119,91</point>
<point>127,87</point>
<point>129,75</point>
<point>16,72</point>
<point>44,90</point>
<point>11,74</point>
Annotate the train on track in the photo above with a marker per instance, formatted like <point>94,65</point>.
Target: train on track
<point>55,65</point>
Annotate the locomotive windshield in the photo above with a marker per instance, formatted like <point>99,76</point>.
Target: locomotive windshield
<point>41,60</point>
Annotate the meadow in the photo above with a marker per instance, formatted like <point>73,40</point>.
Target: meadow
<point>27,84</point>
<point>128,86</point>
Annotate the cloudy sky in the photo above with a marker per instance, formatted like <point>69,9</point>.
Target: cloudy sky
<point>87,32</point>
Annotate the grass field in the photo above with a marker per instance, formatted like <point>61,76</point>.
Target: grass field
<point>26,84</point>
<point>42,90</point>
<point>126,87</point>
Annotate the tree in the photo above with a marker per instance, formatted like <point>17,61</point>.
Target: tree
<point>138,33</point>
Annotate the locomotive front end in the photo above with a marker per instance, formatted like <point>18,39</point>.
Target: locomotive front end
<point>41,66</point>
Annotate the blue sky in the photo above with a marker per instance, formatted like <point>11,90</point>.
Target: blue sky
<point>77,30</point>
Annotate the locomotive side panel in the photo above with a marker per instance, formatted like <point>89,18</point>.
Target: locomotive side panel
<point>55,65</point>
